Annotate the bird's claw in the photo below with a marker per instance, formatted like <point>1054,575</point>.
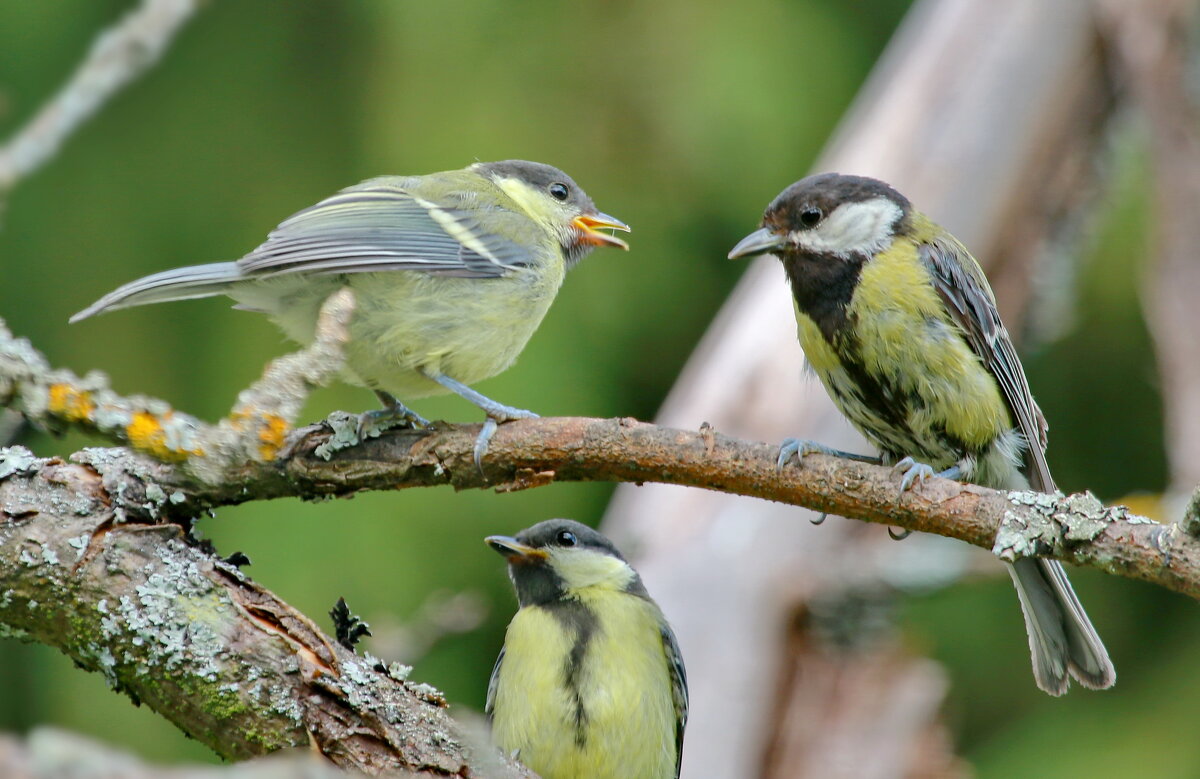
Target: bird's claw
<point>372,423</point>
<point>819,519</point>
<point>496,417</point>
<point>899,535</point>
<point>791,447</point>
<point>913,472</point>
<point>799,447</point>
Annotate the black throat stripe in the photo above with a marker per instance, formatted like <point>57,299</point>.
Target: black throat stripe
<point>579,619</point>
<point>823,285</point>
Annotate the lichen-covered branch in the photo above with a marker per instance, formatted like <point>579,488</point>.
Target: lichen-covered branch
<point>190,636</point>
<point>118,56</point>
<point>95,558</point>
<point>254,430</point>
<point>328,460</point>
<point>50,753</point>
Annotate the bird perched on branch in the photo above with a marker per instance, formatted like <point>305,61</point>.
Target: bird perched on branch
<point>452,272</point>
<point>898,321</point>
<point>590,683</point>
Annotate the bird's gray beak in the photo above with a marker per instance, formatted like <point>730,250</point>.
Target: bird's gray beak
<point>760,241</point>
<point>514,551</point>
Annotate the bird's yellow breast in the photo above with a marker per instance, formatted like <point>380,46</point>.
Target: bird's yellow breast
<point>611,718</point>
<point>904,338</point>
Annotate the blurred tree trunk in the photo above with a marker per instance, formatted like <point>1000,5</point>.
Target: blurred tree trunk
<point>990,116</point>
<point>1153,43</point>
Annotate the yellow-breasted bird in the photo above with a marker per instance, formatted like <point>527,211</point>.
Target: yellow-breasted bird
<point>590,683</point>
<point>452,273</point>
<point>898,321</point>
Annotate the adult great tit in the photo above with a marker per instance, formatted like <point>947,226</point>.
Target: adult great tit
<point>898,321</point>
<point>452,273</point>
<point>590,683</point>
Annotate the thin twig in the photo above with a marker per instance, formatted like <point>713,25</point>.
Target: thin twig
<point>117,57</point>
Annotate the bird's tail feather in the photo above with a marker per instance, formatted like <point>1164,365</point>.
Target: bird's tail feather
<point>1062,641</point>
<point>196,281</point>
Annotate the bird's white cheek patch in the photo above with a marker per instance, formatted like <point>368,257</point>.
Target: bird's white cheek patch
<point>852,228</point>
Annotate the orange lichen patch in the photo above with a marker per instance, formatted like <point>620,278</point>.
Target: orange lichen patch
<point>146,434</point>
<point>73,405</point>
<point>238,419</point>
<point>272,434</point>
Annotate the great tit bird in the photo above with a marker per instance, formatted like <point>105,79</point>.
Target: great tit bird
<point>452,273</point>
<point>590,683</point>
<point>898,321</point>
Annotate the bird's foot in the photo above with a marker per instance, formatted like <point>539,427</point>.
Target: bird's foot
<point>496,415</point>
<point>393,414</point>
<point>819,519</point>
<point>915,471</point>
<point>798,447</point>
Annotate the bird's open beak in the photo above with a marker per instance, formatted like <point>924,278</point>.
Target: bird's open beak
<point>514,551</point>
<point>758,242</point>
<point>588,225</point>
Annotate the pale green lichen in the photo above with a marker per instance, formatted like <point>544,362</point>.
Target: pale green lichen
<point>8,631</point>
<point>79,544</point>
<point>17,460</point>
<point>344,427</point>
<point>1047,524</point>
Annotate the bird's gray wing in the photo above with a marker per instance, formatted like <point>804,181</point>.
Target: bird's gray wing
<point>381,226</point>
<point>963,288</point>
<point>679,688</point>
<point>490,702</point>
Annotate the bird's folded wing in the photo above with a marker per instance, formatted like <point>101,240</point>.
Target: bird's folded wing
<point>957,278</point>
<point>381,227</point>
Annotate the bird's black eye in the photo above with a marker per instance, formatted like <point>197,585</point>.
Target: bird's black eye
<point>566,538</point>
<point>559,192</point>
<point>810,216</point>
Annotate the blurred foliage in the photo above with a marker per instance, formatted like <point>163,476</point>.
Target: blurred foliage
<point>683,119</point>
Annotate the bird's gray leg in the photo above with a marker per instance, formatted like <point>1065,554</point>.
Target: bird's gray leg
<point>798,447</point>
<point>393,414</point>
<point>496,412</point>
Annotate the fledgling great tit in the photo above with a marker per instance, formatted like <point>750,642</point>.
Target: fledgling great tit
<point>590,683</point>
<point>898,321</point>
<point>452,273</point>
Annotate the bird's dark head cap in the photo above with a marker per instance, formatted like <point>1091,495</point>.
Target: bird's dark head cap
<point>794,208</point>
<point>534,544</point>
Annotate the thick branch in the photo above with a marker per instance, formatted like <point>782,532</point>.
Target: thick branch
<point>190,636</point>
<point>536,452</point>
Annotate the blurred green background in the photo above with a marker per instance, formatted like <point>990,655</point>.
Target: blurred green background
<point>680,118</point>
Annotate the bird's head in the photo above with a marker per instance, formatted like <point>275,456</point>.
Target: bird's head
<point>829,215</point>
<point>560,558</point>
<point>553,199</point>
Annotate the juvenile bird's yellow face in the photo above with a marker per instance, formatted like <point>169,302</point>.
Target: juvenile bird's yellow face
<point>562,561</point>
<point>552,199</point>
<point>590,682</point>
